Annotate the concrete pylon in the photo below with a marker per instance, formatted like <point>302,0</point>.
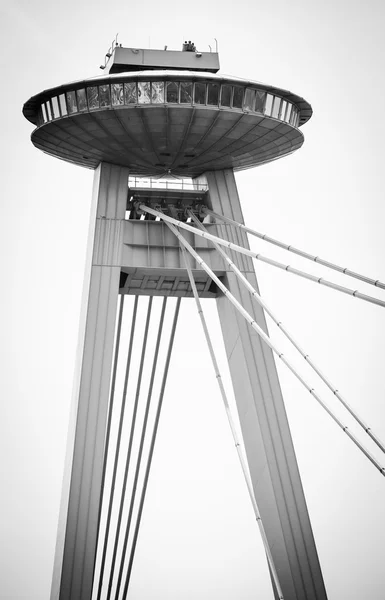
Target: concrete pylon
<point>81,494</point>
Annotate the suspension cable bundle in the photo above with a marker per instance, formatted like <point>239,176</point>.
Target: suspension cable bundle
<point>109,496</point>
<point>262,258</point>
<point>215,239</point>
<point>317,259</point>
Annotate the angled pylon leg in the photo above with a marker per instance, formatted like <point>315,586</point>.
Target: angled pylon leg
<point>78,520</point>
<point>268,444</point>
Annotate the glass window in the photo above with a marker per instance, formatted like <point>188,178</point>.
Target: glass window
<point>288,112</point>
<point>55,108</point>
<point>186,92</point>
<point>71,102</point>
<point>283,110</point>
<point>93,97</point>
<point>249,99</point>
<point>172,92</point>
<point>200,93</point>
<point>82,100</point>
<point>293,118</point>
<point>237,97</point>
<point>269,104</point>
<point>104,95</point>
<point>63,106</point>
<point>213,94</point>
<point>144,92</point>
<point>117,94</point>
<point>130,93</point>
<point>44,113</point>
<point>48,110</point>
<point>259,101</point>
<point>225,95</point>
<point>276,105</point>
<point>157,92</point>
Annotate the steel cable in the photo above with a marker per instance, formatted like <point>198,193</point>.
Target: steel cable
<point>132,430</point>
<point>118,441</point>
<point>151,450</point>
<point>272,346</point>
<point>142,438</point>
<point>108,429</point>
<point>317,259</point>
<point>233,430</point>
<point>280,325</point>
<point>265,259</point>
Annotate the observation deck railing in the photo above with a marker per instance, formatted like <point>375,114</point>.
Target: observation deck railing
<point>164,184</point>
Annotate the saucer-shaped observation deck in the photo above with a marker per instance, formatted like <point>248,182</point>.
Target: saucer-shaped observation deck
<point>167,121</point>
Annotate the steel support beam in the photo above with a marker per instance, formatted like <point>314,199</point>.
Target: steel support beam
<point>79,513</point>
<point>268,444</point>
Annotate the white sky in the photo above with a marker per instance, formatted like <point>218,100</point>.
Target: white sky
<point>199,539</point>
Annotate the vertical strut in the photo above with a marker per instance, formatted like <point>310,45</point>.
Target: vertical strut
<point>151,451</point>
<point>145,420</point>
<point>108,430</point>
<point>121,419</point>
<point>133,423</point>
<point>142,438</point>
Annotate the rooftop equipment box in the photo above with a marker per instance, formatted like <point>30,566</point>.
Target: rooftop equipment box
<point>138,59</point>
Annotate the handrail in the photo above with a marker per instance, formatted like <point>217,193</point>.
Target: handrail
<point>141,182</point>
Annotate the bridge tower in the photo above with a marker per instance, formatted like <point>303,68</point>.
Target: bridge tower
<point>151,116</point>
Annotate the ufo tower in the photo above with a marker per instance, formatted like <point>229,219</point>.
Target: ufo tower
<point>153,120</point>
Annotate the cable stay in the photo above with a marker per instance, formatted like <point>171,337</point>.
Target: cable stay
<point>121,419</point>
<point>109,420</point>
<point>151,450</point>
<point>317,259</point>
<point>141,444</point>
<point>262,258</point>
<point>262,303</point>
<point>128,458</point>
<point>271,345</point>
<point>233,429</point>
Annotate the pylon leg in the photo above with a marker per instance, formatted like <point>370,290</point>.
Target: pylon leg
<point>268,444</point>
<point>78,521</point>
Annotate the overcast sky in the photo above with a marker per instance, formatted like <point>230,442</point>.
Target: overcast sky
<point>199,539</point>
